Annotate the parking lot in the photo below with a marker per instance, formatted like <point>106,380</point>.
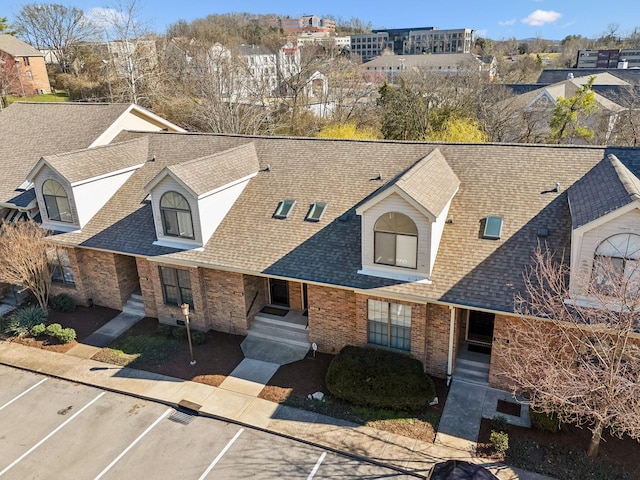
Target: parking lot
<point>54,429</point>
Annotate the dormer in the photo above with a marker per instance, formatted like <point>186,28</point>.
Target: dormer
<point>605,230</point>
<point>72,187</point>
<point>191,199</point>
<point>402,223</point>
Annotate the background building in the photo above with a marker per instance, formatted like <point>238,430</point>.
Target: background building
<point>28,62</point>
<point>612,58</point>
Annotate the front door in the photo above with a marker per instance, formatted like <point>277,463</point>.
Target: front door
<point>480,327</point>
<point>279,290</point>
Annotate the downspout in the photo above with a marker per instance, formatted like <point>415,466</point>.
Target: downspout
<point>452,323</point>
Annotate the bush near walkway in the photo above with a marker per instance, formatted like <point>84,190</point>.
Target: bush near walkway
<point>380,378</point>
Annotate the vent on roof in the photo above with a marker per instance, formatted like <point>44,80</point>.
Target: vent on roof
<point>316,211</point>
<point>492,228</point>
<point>284,209</point>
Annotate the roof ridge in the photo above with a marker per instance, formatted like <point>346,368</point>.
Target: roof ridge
<point>97,147</point>
<point>187,163</point>
<point>629,181</point>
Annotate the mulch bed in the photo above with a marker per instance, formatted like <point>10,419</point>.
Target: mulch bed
<point>563,454</point>
<point>84,320</point>
<point>215,359</point>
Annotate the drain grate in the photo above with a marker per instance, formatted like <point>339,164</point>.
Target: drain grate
<point>180,416</point>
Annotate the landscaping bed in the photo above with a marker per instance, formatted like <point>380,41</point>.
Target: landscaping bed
<point>563,454</point>
<point>143,347</point>
<point>84,320</point>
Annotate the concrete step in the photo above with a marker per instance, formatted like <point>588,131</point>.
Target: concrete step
<point>462,363</point>
<point>134,306</point>
<point>298,323</point>
<point>282,332</point>
<point>467,379</point>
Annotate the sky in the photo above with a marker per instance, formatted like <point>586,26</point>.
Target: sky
<point>495,19</point>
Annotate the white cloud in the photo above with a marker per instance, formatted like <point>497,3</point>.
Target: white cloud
<point>507,22</point>
<point>540,17</point>
<point>483,32</point>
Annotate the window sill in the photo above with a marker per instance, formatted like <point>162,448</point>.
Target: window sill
<point>389,349</point>
<point>70,286</point>
<point>179,244</point>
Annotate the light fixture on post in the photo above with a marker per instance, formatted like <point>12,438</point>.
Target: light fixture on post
<point>185,311</point>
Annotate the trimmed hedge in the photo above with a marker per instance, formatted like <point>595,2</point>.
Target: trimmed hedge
<point>379,378</point>
<point>62,303</point>
<point>544,421</point>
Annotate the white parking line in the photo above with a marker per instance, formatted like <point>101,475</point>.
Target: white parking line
<point>23,393</point>
<point>317,466</point>
<point>16,461</point>
<point>217,459</point>
<point>132,444</point>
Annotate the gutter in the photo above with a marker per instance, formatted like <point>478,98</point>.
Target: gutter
<point>452,322</point>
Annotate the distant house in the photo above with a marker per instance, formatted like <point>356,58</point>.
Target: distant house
<point>530,111</point>
<point>29,65</point>
<point>451,63</point>
<point>411,246</point>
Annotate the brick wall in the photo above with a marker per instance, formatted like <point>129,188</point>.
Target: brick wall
<point>100,278</point>
<point>39,77</point>
<point>332,318</point>
<point>295,295</point>
<point>146,287</point>
<point>127,276</point>
<point>437,340</point>
<point>78,291</point>
<point>224,296</point>
<point>254,288</point>
<point>501,327</point>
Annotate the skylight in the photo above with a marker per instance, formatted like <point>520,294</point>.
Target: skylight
<point>316,211</point>
<point>284,209</point>
<point>492,228</point>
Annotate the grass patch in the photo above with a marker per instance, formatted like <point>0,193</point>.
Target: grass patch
<point>47,97</point>
<point>138,351</point>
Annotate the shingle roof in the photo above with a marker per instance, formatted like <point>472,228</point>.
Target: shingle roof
<point>29,131</point>
<point>213,171</point>
<point>548,76</point>
<point>85,164</point>
<point>17,48</point>
<point>505,180</point>
<point>605,188</point>
<point>430,182</point>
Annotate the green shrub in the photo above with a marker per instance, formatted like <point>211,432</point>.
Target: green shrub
<point>544,421</point>
<point>22,321</point>
<point>165,330</point>
<point>38,330</point>
<point>179,332</point>
<point>53,330</point>
<point>198,337</point>
<point>66,335</point>
<point>499,423</point>
<point>379,378</point>
<point>500,441</point>
<point>62,303</point>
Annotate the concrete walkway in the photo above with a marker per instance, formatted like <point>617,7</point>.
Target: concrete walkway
<point>104,335</point>
<point>460,430</point>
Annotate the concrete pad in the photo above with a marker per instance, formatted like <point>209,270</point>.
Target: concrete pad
<point>227,404</point>
<point>171,392</point>
<point>491,403</point>
<point>259,413</point>
<point>239,385</point>
<point>192,391</point>
<point>288,427</point>
<point>255,370</point>
<point>112,330</point>
<point>82,350</point>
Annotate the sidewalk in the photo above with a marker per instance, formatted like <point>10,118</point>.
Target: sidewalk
<point>235,400</point>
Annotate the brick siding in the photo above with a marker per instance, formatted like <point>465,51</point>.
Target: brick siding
<point>254,288</point>
<point>332,318</point>
<point>146,287</point>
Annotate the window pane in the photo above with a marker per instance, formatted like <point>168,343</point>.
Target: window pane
<point>385,248</point>
<point>406,251</point>
<point>170,221</point>
<point>607,273</point>
<point>171,295</point>
<point>64,209</point>
<point>400,338</point>
<point>184,224</point>
<point>168,276</point>
<point>378,311</point>
<point>184,279</point>
<point>186,297</point>
<point>400,315</point>
<point>378,333</point>
<point>632,276</point>
<point>52,207</point>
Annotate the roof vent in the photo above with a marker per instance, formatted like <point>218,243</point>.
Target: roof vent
<point>267,168</point>
<point>153,158</point>
<point>378,177</point>
<point>543,232</point>
<point>570,76</point>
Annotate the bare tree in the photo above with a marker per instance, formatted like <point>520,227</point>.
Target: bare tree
<point>9,78</point>
<point>56,27</point>
<point>578,354</point>
<point>24,259</point>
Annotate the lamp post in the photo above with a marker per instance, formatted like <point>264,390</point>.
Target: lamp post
<point>185,312</point>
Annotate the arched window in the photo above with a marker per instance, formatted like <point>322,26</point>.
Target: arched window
<point>616,265</point>
<point>396,241</point>
<point>176,215</point>
<point>56,202</point>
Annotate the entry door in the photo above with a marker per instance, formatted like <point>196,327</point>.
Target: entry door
<point>279,290</point>
<point>480,327</point>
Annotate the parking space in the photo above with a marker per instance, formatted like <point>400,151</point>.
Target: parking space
<point>57,429</point>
